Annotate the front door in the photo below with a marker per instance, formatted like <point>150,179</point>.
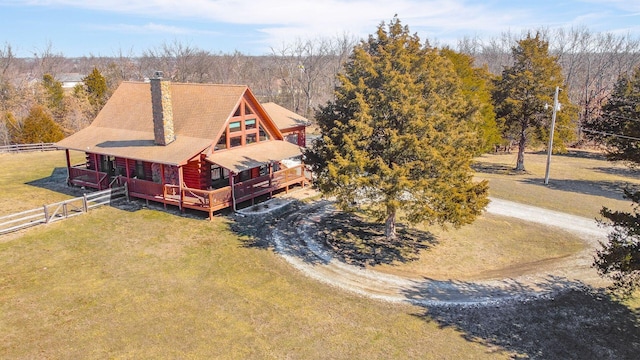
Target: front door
<point>108,165</point>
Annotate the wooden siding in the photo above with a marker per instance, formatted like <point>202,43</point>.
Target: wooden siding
<point>192,174</point>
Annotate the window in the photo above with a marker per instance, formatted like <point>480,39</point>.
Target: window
<point>264,136</point>
<point>250,124</point>
<point>235,141</point>
<point>222,143</point>
<point>219,173</point>
<point>234,126</point>
<point>247,110</point>
<point>237,113</point>
<point>292,138</point>
<point>264,170</point>
<point>251,138</point>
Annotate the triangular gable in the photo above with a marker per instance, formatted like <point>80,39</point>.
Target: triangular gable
<point>247,108</point>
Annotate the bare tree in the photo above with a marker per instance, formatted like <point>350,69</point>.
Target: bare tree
<point>47,61</point>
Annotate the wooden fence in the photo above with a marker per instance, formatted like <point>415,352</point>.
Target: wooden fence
<point>27,147</point>
<point>60,210</point>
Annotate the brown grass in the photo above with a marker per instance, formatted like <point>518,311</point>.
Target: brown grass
<point>23,175</point>
<point>153,284</point>
<point>580,182</point>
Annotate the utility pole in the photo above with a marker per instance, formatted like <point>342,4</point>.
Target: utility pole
<point>553,125</point>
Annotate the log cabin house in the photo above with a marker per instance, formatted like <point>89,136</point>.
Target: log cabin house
<point>198,146</point>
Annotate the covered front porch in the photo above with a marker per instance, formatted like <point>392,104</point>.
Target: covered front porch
<point>249,173</point>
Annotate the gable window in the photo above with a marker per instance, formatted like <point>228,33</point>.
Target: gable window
<point>222,143</point>
<point>235,141</point>
<point>264,136</point>
<point>243,129</point>
<point>235,126</point>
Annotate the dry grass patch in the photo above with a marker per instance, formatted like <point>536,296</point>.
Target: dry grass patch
<point>492,247</point>
<point>151,284</point>
<point>23,174</point>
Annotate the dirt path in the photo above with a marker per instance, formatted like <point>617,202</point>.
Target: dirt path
<point>294,237</point>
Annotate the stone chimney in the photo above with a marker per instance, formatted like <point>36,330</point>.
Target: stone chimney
<point>162,110</point>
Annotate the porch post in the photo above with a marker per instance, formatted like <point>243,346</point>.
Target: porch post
<point>66,152</point>
<point>270,180</point>
<point>180,180</point>
<point>126,168</point>
<point>97,168</point>
<point>233,197</point>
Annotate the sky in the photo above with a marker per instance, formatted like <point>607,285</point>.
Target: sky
<point>78,28</point>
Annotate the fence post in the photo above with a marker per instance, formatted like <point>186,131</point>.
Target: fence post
<point>126,190</point>
<point>64,209</point>
<point>85,206</point>
<point>46,214</point>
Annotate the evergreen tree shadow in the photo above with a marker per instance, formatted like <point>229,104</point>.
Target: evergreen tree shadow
<point>571,321</point>
<point>498,169</point>
<point>279,230</point>
<point>619,171</point>
<point>608,189</point>
<point>356,241</point>
<point>316,234</point>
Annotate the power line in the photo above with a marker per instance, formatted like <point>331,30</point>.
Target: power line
<point>618,117</point>
<point>610,134</point>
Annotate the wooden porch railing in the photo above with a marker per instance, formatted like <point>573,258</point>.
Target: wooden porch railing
<point>196,198</point>
<point>249,189</point>
<point>204,200</point>
<point>90,178</point>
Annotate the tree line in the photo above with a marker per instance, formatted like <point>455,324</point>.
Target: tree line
<point>302,75</point>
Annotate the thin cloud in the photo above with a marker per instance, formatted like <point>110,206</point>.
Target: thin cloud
<point>150,28</point>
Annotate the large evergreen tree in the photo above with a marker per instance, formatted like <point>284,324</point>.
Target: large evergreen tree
<point>397,136</point>
<point>523,90</point>
<point>476,87</point>
<point>618,126</point>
